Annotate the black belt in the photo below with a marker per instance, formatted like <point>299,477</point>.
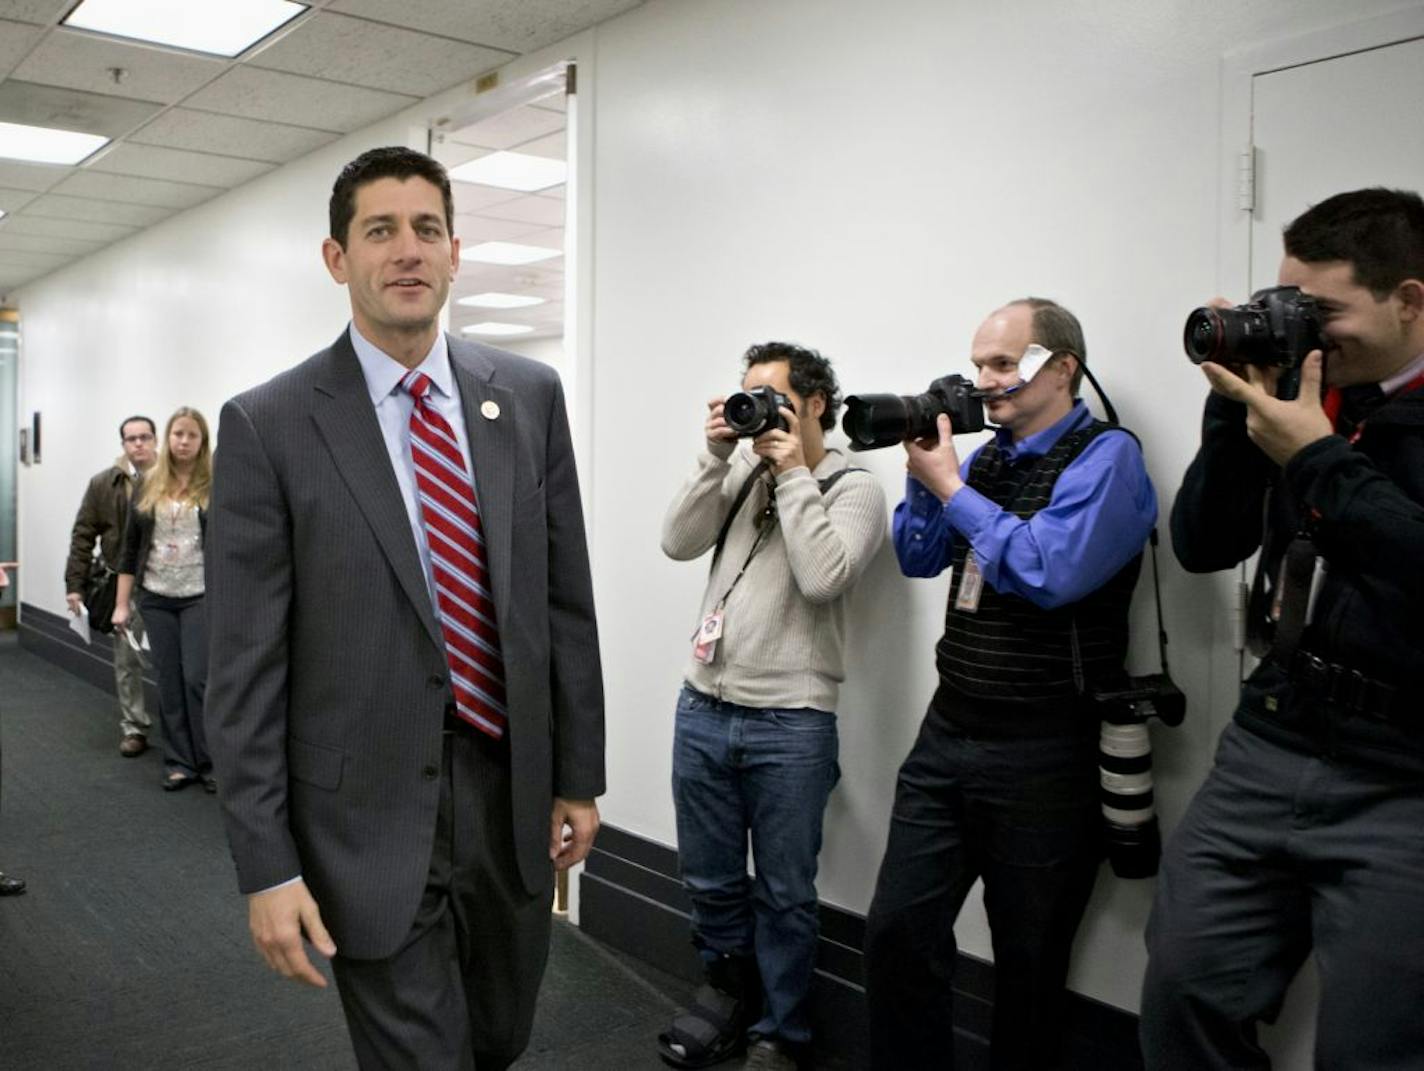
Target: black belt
<point>1342,686</point>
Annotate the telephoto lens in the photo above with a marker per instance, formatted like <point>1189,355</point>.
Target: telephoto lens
<point>1133,838</point>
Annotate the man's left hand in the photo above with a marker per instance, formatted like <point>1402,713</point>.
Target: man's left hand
<point>1280,429</point>
<point>571,831</point>
<point>782,448</point>
<point>935,463</point>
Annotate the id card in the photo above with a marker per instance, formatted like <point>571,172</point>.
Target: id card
<point>971,584</point>
<point>704,644</point>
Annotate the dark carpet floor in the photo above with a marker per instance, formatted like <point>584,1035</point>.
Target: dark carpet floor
<point>130,948</point>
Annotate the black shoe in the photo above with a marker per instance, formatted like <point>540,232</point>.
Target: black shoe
<point>10,886</point>
<point>210,784</point>
<point>177,783</point>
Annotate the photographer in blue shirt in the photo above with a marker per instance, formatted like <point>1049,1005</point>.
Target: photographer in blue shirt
<point>1043,530</point>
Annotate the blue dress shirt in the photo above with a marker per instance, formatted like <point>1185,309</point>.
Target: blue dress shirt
<point>394,406</point>
<point>1100,514</point>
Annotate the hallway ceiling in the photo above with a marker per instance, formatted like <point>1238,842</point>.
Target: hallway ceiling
<point>188,126</point>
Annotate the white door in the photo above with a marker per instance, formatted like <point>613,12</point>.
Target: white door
<point>1321,128</point>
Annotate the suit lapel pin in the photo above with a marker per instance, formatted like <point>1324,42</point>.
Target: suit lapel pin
<point>489,410</point>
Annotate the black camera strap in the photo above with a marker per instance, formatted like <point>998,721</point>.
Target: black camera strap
<point>1152,540</point>
<point>737,502</point>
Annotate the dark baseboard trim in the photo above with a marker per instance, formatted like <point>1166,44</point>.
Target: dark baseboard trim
<point>49,636</point>
<point>631,897</point>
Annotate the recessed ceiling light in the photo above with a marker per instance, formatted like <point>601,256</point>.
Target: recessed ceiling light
<point>495,300</point>
<point>45,145</point>
<point>508,253</point>
<point>224,29</point>
<point>492,328</point>
<point>513,171</point>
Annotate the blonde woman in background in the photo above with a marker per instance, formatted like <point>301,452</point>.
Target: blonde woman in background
<point>163,556</point>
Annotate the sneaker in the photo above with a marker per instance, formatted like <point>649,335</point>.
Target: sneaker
<point>768,1054</point>
<point>133,745</point>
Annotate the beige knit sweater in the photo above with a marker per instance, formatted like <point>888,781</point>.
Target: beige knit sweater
<point>783,636</point>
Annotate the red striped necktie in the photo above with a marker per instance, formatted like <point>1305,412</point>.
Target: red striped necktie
<point>457,558</point>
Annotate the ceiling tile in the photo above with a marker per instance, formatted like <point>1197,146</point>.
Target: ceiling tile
<point>68,227</point>
<point>83,61</point>
<point>472,198</point>
<point>139,191</point>
<point>38,177</point>
<point>544,211</point>
<point>515,25</point>
<point>33,261</point>
<point>16,40</point>
<point>37,243</point>
<point>43,12</point>
<point>508,129</point>
<point>153,161</point>
<point>380,56</point>
<point>11,200</point>
<point>57,206</point>
<point>277,143</point>
<point>290,98</point>
<point>473,229</point>
<point>554,146</point>
<point>72,109</point>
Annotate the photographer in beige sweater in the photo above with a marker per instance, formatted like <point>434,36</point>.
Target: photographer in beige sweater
<point>791,528</point>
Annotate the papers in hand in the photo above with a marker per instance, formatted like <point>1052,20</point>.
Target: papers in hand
<point>80,624</point>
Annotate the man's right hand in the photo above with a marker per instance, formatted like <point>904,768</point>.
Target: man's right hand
<point>75,601</point>
<point>278,918</point>
<point>720,438</point>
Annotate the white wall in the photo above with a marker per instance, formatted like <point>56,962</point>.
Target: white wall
<point>870,181</point>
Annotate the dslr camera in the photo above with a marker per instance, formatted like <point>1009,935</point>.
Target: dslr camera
<point>1277,328</point>
<point>875,420</point>
<point>751,412</point>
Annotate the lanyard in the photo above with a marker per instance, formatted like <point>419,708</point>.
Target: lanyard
<point>1333,400</point>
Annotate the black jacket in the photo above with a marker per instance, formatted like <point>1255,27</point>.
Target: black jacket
<point>1363,506</point>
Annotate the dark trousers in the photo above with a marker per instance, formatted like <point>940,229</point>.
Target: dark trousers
<point>1023,814</point>
<point>1280,853</point>
<point>460,993</point>
<point>178,635</point>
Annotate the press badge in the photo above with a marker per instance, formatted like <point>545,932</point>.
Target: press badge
<point>704,644</point>
<point>971,584</point>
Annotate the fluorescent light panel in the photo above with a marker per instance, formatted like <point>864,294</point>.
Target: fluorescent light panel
<point>45,145</point>
<point>513,171</point>
<point>508,253</point>
<point>220,29</point>
<point>493,299</point>
<point>496,329</point>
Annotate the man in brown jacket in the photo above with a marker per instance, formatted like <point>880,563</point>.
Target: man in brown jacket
<point>101,519</point>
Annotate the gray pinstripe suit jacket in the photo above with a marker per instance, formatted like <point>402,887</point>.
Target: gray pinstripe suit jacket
<point>326,685</point>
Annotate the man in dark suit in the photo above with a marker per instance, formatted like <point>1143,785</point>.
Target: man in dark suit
<point>405,705</point>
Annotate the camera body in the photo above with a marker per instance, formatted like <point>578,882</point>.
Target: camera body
<point>875,420</point>
<point>1150,696</point>
<point>751,412</point>
<point>1277,328</point>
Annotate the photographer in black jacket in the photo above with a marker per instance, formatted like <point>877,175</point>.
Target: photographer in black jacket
<point>1309,830</point>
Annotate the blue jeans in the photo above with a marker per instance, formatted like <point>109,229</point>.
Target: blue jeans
<point>739,770</point>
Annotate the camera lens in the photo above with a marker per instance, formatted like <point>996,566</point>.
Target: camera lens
<point>875,420</point>
<point>740,411</point>
<point>1202,336</point>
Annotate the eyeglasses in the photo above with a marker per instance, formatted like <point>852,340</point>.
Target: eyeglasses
<point>144,438</point>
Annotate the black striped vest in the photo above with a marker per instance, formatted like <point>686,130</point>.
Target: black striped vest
<point>1010,650</point>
